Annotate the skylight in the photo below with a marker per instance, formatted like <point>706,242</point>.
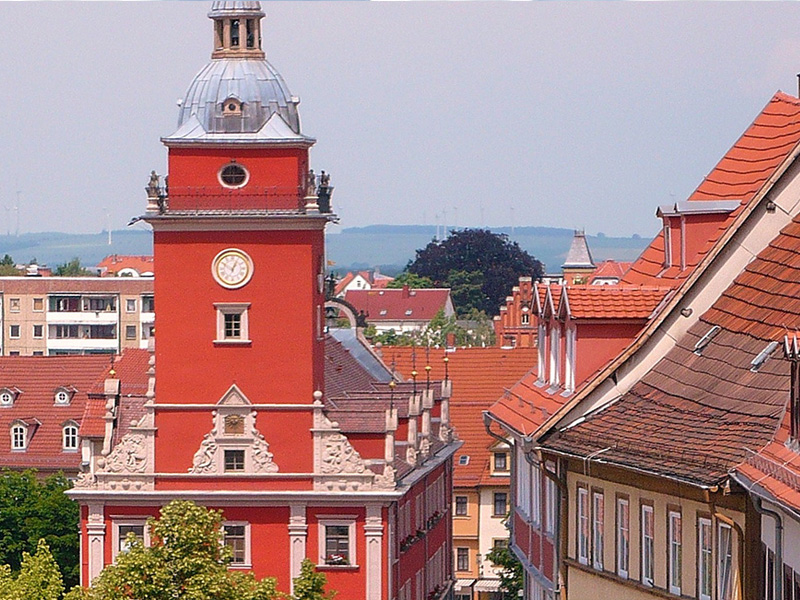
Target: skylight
<point>762,357</point>
<point>463,459</point>
<point>706,339</point>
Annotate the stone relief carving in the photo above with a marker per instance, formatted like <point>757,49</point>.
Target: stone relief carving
<point>339,456</point>
<point>386,481</point>
<point>205,459</point>
<point>262,457</point>
<point>129,456</point>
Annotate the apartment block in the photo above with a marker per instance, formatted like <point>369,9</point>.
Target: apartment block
<point>47,316</point>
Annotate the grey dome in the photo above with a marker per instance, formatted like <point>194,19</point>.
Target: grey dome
<point>255,83</point>
<point>224,7</point>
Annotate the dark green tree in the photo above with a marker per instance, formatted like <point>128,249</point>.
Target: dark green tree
<point>32,509</point>
<point>499,261</point>
<point>72,268</point>
<point>7,266</point>
<point>412,280</point>
<point>510,570</point>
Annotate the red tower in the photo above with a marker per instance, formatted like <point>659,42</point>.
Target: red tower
<point>239,415</point>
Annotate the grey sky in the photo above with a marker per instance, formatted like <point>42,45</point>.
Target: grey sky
<point>574,114</point>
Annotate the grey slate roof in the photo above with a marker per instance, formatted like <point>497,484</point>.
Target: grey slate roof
<point>579,256</point>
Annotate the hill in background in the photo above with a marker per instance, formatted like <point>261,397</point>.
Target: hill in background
<point>389,247</point>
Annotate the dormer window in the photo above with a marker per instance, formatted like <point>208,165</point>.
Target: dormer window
<point>7,396</point>
<point>69,436</point>
<point>19,436</point>
<point>63,396</point>
<point>232,107</point>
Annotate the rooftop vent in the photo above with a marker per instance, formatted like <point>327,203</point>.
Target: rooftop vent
<point>762,357</point>
<point>706,339</point>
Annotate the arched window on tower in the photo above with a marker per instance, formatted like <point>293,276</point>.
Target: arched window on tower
<point>235,33</point>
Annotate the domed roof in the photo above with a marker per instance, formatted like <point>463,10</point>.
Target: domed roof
<point>254,85</point>
<point>238,92</point>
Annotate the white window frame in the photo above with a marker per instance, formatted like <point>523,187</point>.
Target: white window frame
<point>233,308</point>
<point>496,514</point>
<point>598,529</point>
<point>725,562</point>
<point>705,548</point>
<point>674,551</point>
<point>33,304</point>
<point>647,546</point>
<point>582,525</point>
<point>19,437</point>
<point>555,356</point>
<point>570,350</point>
<point>551,513</point>
<point>7,397</point>
<point>14,305</point>
<point>495,455</point>
<point>623,537</point>
<point>536,494</point>
<point>130,305</point>
<point>62,397</point>
<point>466,506</point>
<point>542,361</point>
<point>64,437</point>
<point>117,539</point>
<point>338,521</point>
<point>248,560</point>
<point>131,332</point>
<point>41,331</point>
<point>11,331</point>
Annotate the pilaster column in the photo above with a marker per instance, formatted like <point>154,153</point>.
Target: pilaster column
<point>298,532</point>
<point>226,34</point>
<point>373,530</point>
<point>96,533</point>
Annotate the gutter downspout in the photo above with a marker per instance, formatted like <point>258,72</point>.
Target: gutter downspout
<point>759,506</point>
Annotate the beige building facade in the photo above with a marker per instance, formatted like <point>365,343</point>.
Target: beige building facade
<point>46,316</point>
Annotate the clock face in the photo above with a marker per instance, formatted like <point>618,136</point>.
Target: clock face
<point>232,268</point>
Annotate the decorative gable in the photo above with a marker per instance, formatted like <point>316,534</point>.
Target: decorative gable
<point>233,445</point>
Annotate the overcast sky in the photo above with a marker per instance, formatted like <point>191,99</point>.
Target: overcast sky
<point>557,114</point>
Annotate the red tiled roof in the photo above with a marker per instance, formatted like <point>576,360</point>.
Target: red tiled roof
<point>342,283</point>
<point>613,302</point>
<point>114,263</point>
<point>776,468</point>
<point>746,167</point>
<point>608,269</point>
<point>479,376</point>
<point>394,304</point>
<point>37,378</point>
<point>56,285</point>
<point>695,415</point>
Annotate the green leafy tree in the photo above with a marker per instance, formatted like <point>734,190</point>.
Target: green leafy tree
<point>510,570</point>
<point>72,268</point>
<point>311,584</point>
<point>7,266</point>
<point>500,261</point>
<point>186,560</point>
<point>39,578</point>
<point>466,289</point>
<point>412,280</point>
<point>32,509</point>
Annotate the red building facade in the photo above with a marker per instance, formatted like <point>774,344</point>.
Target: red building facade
<point>240,416</point>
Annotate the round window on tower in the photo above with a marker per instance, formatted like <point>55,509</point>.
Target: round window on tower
<point>233,175</point>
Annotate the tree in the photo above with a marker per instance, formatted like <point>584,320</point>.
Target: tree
<point>510,569</point>
<point>412,280</point>
<point>466,253</point>
<point>32,509</point>
<point>72,268</point>
<point>311,584</point>
<point>8,266</point>
<point>186,560</point>
<point>39,577</point>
